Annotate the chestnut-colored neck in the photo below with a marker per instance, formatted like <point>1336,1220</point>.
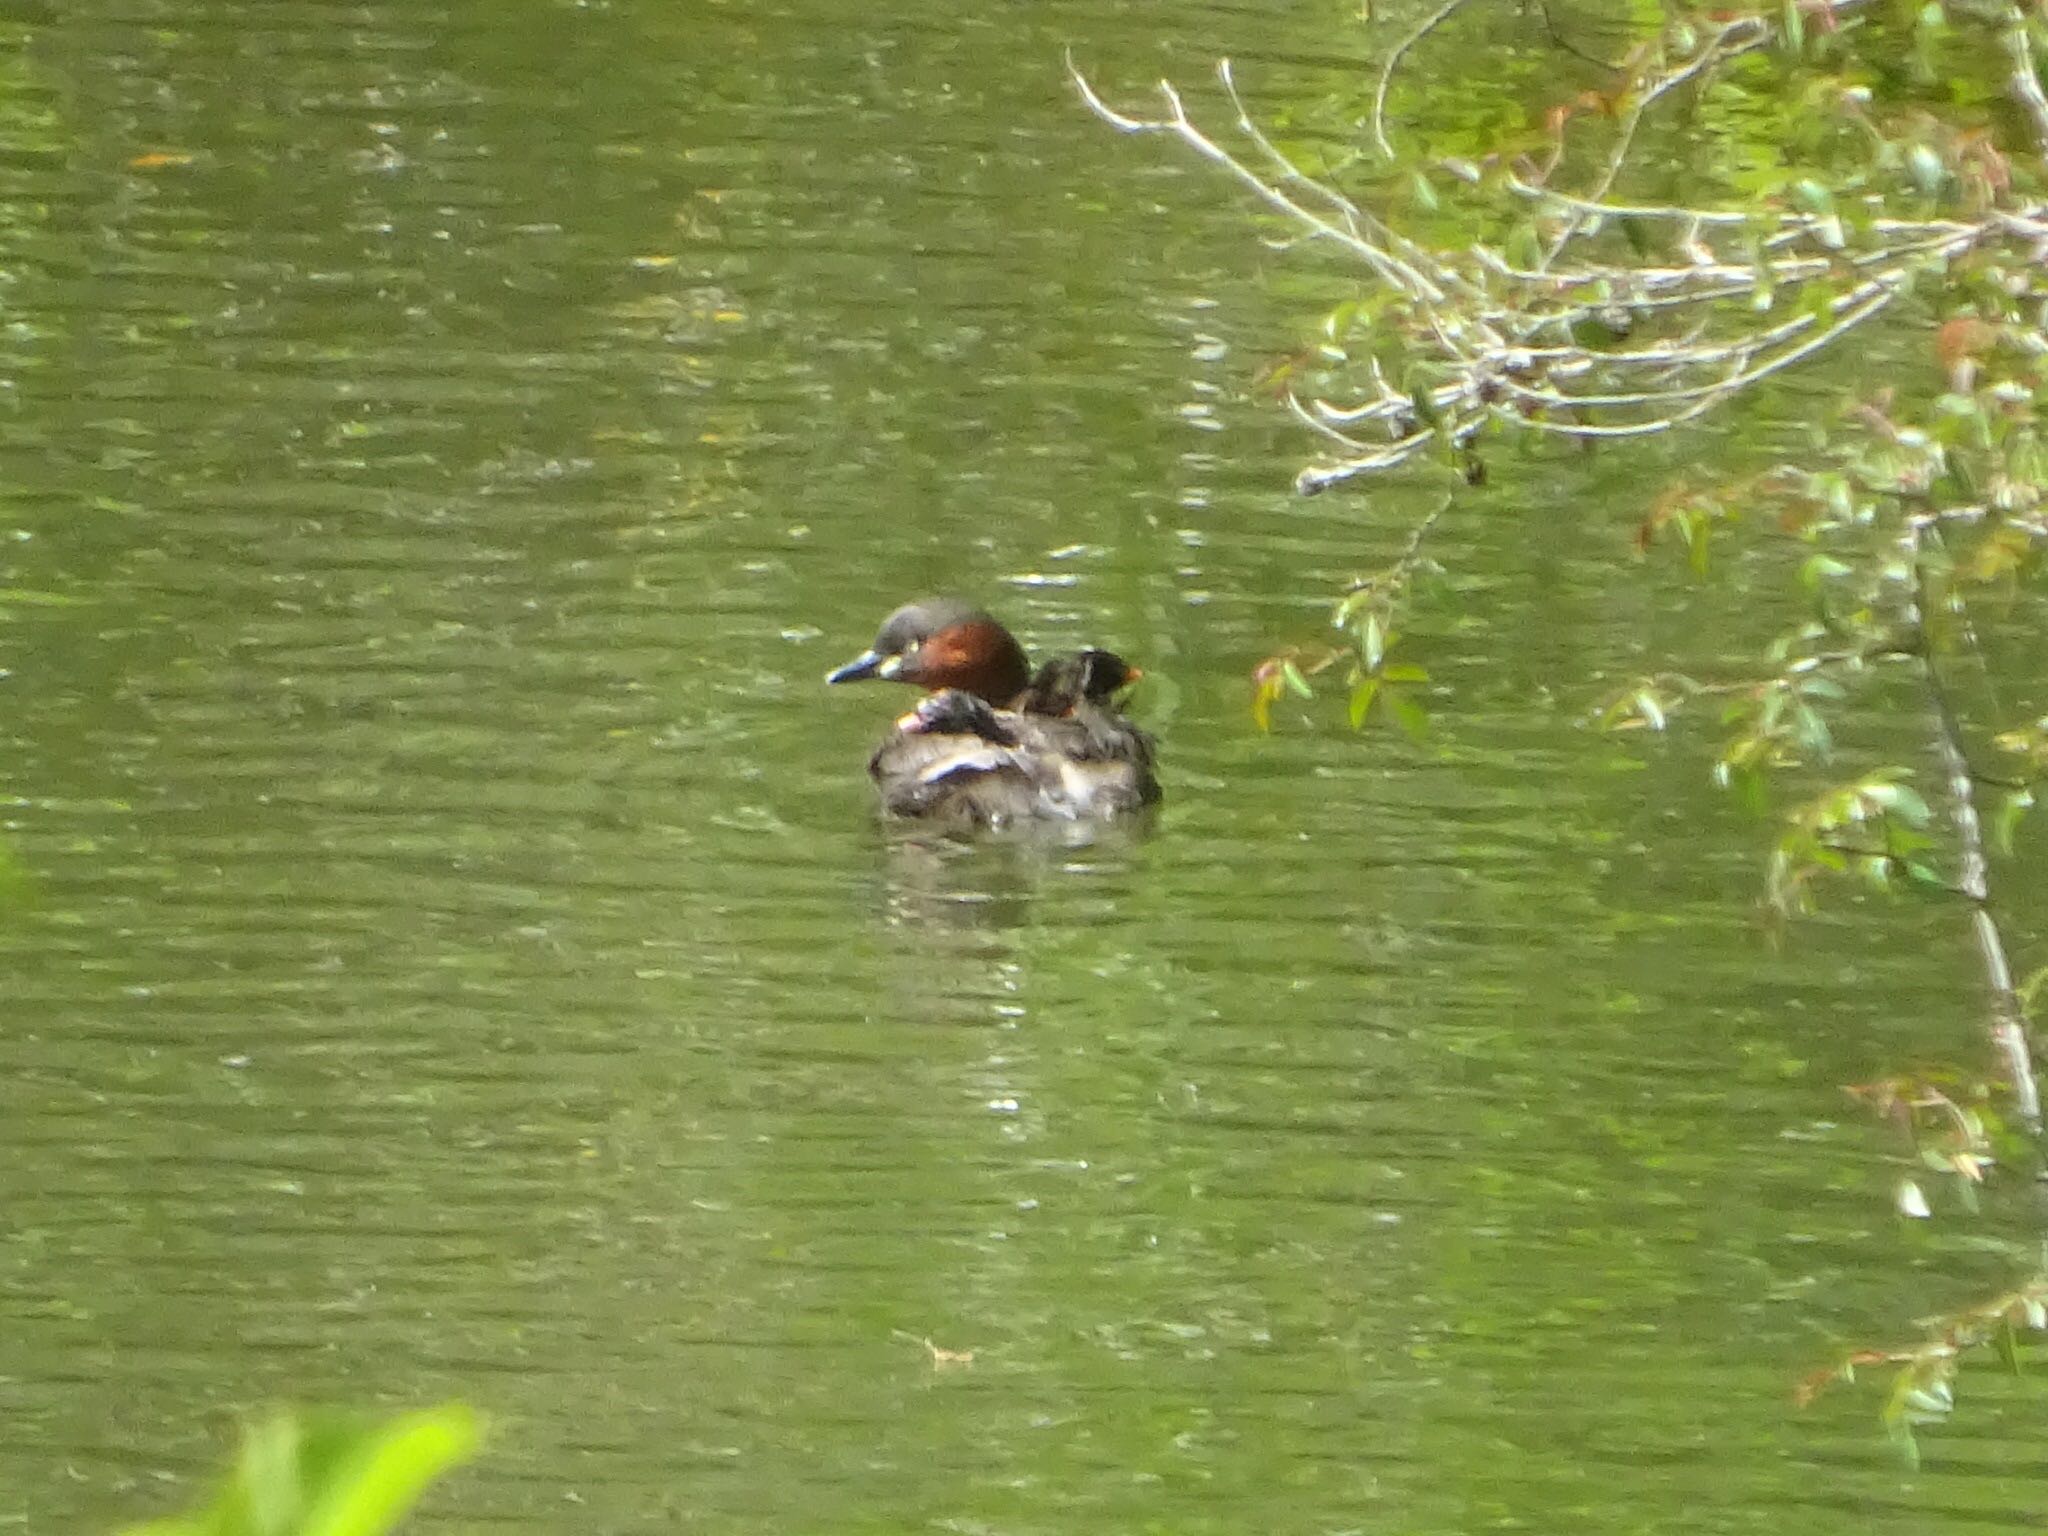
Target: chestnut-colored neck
<point>980,656</point>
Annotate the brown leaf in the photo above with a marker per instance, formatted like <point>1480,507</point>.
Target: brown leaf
<point>946,1359</point>
<point>1963,337</point>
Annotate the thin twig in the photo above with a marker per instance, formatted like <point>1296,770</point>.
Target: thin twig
<point>1289,171</point>
<point>1101,108</point>
<point>1392,62</point>
<point>1320,477</point>
<point>1559,40</point>
<point>1357,219</point>
<point>1388,268</point>
<point>1854,307</point>
<point>1624,140</point>
<point>1404,563</point>
<point>1734,40</point>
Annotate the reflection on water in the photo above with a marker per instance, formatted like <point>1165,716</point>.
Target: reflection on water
<point>463,959</point>
<point>965,885</point>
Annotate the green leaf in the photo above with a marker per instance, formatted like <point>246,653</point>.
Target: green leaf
<point>1809,196</point>
<point>1792,28</point>
<point>1894,1412</point>
<point>1926,169</point>
<point>1699,540</point>
<point>1818,301</point>
<point>1896,799</point>
<point>1296,683</point>
<point>1423,398</point>
<point>385,1473</point>
<point>1372,643</point>
<point>1525,248</point>
<point>330,1475</point>
<point>1820,568</point>
<point>1811,731</point>
<point>1771,710</point>
<point>1361,701</point>
<point>270,1475</point>
<point>1909,1448</point>
<point>1407,711</point>
<point>1747,783</point>
<point>2010,810</point>
<point>2008,1345</point>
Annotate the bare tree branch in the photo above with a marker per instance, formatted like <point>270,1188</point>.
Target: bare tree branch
<point>2008,1031</point>
<point>1384,265</point>
<point>2025,81</point>
<point>1501,342</point>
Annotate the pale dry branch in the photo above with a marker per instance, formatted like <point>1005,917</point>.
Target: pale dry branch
<point>1579,393</point>
<point>1319,422</point>
<point>1602,208</point>
<point>1383,264</point>
<point>2007,1025</point>
<point>1320,477</point>
<point>1491,343</point>
<point>1425,271</point>
<point>1852,309</point>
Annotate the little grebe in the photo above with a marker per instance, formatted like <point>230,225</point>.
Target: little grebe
<point>943,643</point>
<point>996,744</point>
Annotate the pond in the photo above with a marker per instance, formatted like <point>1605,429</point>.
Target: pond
<point>454,954</point>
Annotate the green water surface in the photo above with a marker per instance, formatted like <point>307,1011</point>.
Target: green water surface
<point>453,953</point>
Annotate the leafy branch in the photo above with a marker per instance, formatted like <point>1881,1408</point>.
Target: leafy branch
<point>1950,1132</point>
<point>1365,616</point>
<point>1924,1372</point>
<point>1557,289</point>
<point>1886,586</point>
